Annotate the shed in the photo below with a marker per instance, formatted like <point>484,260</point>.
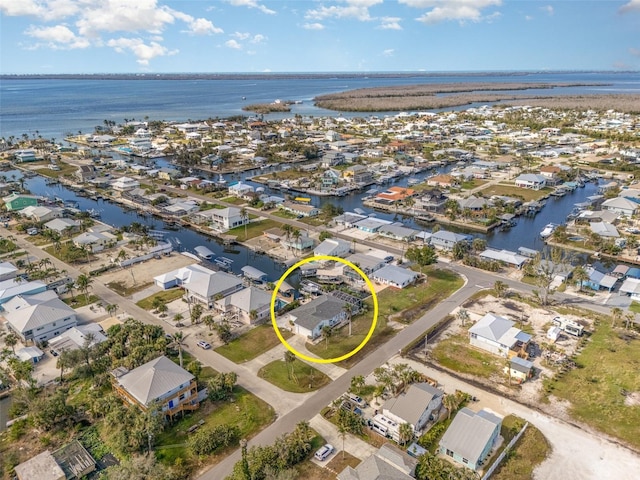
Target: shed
<point>254,274</point>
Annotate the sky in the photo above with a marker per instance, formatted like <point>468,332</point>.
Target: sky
<point>210,36</point>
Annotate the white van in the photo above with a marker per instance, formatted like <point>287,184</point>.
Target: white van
<point>357,400</point>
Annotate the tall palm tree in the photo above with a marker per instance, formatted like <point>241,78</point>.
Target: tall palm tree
<point>347,309</point>
<point>84,284</point>
<point>616,316</point>
<point>178,338</point>
<point>289,359</point>
<point>244,215</point>
<point>463,315</point>
<point>405,433</point>
<point>296,236</point>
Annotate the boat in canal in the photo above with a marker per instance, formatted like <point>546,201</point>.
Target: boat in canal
<point>548,230</point>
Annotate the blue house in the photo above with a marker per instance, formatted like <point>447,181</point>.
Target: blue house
<point>471,437</point>
<point>598,280</point>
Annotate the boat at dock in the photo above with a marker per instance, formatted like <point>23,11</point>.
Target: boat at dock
<point>548,230</point>
<point>204,253</point>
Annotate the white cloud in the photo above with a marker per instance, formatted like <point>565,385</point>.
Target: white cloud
<point>358,9</point>
<point>141,50</point>
<point>548,9</point>
<point>388,52</point>
<point>528,18</point>
<point>447,10</point>
<point>258,38</point>
<point>390,23</point>
<point>43,9</point>
<point>632,6</point>
<point>233,44</point>
<point>241,35</point>
<point>313,26</point>
<point>58,37</point>
<point>251,4</point>
<point>125,16</point>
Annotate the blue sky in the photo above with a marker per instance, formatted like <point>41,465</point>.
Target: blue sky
<point>123,36</point>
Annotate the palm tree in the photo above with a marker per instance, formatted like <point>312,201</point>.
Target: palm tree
<point>84,284</point>
<point>463,316</point>
<point>629,318</point>
<point>178,338</point>
<point>347,309</point>
<point>616,316</point>
<point>111,309</point>
<point>71,285</point>
<point>500,288</point>
<point>244,215</point>
<point>289,359</point>
<point>580,275</point>
<point>342,431</point>
<point>450,402</point>
<point>11,340</point>
<point>405,433</point>
<point>326,333</point>
<point>296,236</point>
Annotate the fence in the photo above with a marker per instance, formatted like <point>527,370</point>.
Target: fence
<point>154,252</point>
<point>504,453</point>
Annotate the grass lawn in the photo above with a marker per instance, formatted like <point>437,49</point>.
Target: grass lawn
<point>247,411</point>
<point>284,214</point>
<point>65,169</point>
<point>455,353</point>
<point>314,221</point>
<point>254,229</point>
<point>81,300</point>
<point>528,452</point>
<point>511,190</point>
<point>126,290</point>
<point>608,365</point>
<point>252,344</point>
<point>308,378</point>
<point>234,200</point>
<point>166,296</point>
<point>634,307</point>
<point>404,305</point>
<point>310,471</point>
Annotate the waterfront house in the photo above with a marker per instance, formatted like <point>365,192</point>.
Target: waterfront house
<point>387,463</point>
<point>531,181</point>
<point>158,382</point>
<point>371,224</point>
<point>598,280</point>
<point>631,287</point>
<point>417,406</point>
<point>96,241</point>
<point>367,263</point>
<point>621,205</point>
<point>349,219</point>
<point>505,257</point>
<point>249,305</point>
<point>77,337</point>
<point>8,271</point>
<point>18,201</point>
<point>38,317</point>
<point>25,155</point>
<point>357,174</point>
<point>62,225</point>
<point>443,180</point>
<point>471,437</point>
<point>330,178</point>
<point>397,231</point>
<point>334,247</point>
<point>309,319</point>
<point>168,173</point>
<point>124,184</point>
<point>240,190</point>
<point>300,209</point>
<point>604,229</point>
<point>201,284</point>
<point>446,240</point>
<point>86,173</point>
<point>431,200</point>
<point>498,335</point>
<point>13,286</point>
<point>41,213</point>
<point>396,194</point>
<point>303,242</point>
<point>519,369</point>
<point>331,159</point>
<point>221,219</point>
<point>550,171</point>
<point>394,276</point>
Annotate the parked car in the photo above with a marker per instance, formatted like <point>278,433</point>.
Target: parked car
<point>204,345</point>
<point>356,399</point>
<point>324,452</point>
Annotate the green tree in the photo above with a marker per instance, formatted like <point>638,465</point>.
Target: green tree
<point>500,288</point>
<point>327,332</point>
<point>178,339</point>
<point>580,275</point>
<point>289,359</point>
<point>196,312</point>
<point>423,256</point>
<point>463,315</point>
<point>616,316</point>
<point>405,433</point>
<point>11,340</point>
<point>357,384</point>
<point>223,330</point>
<point>83,283</point>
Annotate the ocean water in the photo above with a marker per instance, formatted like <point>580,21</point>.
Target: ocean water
<point>53,107</point>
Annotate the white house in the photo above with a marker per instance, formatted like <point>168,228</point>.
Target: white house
<point>96,241</point>
<point>309,319</point>
<point>39,317</point>
<point>334,247</point>
<point>621,205</point>
<point>8,271</point>
<point>222,219</point>
<point>124,184</point>
<point>251,305</point>
<point>532,181</point>
<point>498,335</point>
<point>416,407</point>
<point>240,189</point>
<point>395,276</point>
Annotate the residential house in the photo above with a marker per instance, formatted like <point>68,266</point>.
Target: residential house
<point>309,319</point>
<point>334,247</point>
<point>251,305</point>
<point>17,201</point>
<point>446,240</point>
<point>388,463</point>
<point>443,180</point>
<point>396,194</point>
<point>531,181</point>
<point>330,178</point>
<point>8,271</point>
<point>201,284</point>
<point>371,224</point>
<point>505,257</point>
<point>158,382</point>
<point>13,286</point>
<point>417,406</point>
<point>550,171</point>
<point>41,467</point>
<point>41,213</point>
<point>221,219</point>
<point>62,225</point>
<point>96,241</point>
<point>301,243</point>
<point>604,229</point>
<point>300,209</point>
<point>349,219</point>
<point>621,205</point>
<point>471,437</point>
<point>77,337</point>
<point>86,173</point>
<point>168,173</point>
<point>519,369</point>
<point>331,159</point>
<point>431,201</point>
<point>240,190</point>
<point>598,280</point>
<point>397,231</point>
<point>367,263</point>
<point>25,155</point>
<point>39,317</point>
<point>395,276</point>
<point>358,174</point>
<point>498,335</point>
<point>631,287</point>
<point>124,184</point>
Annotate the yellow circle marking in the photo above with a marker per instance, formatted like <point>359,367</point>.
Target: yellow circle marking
<point>274,297</point>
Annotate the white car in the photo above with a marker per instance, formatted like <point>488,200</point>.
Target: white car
<point>324,452</point>
<point>204,345</point>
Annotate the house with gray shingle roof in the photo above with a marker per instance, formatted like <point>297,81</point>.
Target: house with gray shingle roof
<point>388,463</point>
<point>245,301</point>
<point>158,382</point>
<point>498,335</point>
<point>415,407</point>
<point>309,319</point>
<point>471,437</point>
